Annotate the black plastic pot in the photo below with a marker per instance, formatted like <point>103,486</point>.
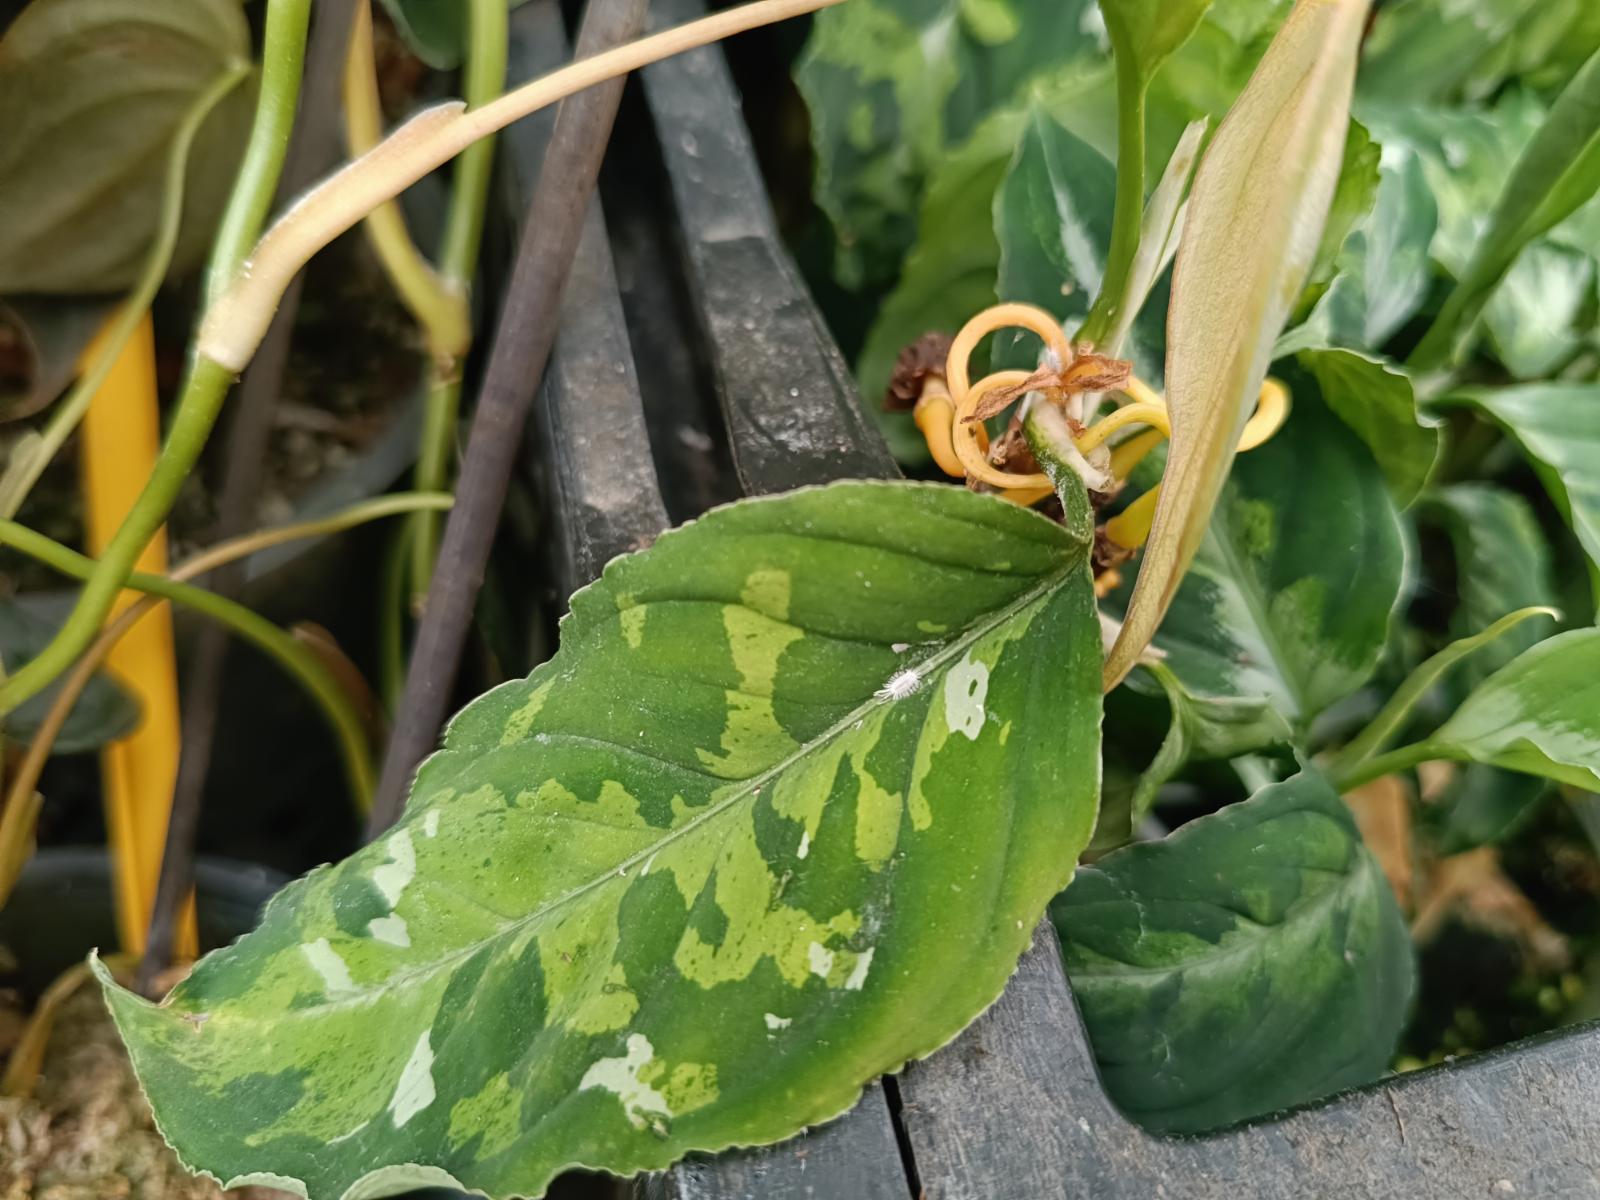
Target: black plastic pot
<point>62,908</point>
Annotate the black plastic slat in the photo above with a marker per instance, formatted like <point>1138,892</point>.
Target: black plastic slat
<point>590,438</point>
<point>793,417</point>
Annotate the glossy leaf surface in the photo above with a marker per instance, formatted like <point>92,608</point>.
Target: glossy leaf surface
<point>693,882</point>
<point>1252,960</point>
<point>1539,714</point>
<point>1378,403</point>
<point>1301,569</point>
<point>1557,426</point>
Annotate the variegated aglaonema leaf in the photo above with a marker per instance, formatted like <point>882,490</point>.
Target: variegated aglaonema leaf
<point>1252,960</point>
<point>779,816</point>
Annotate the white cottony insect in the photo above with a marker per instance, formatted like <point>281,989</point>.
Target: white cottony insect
<point>901,684</point>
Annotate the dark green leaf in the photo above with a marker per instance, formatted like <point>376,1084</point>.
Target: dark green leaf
<point>1502,565</point>
<point>1558,427</point>
<point>1252,960</point>
<point>1353,199</point>
<point>1539,714</point>
<point>91,93</point>
<point>1483,805</point>
<point>1292,591</point>
<point>1202,728</point>
<point>1377,401</point>
<point>1383,273</point>
<point>1556,173</point>
<point>102,714</point>
<point>1426,50</point>
<point>48,335</point>
<point>892,85</point>
<point>436,30</point>
<point>673,891</point>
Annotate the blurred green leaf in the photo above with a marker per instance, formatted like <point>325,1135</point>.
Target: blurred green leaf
<point>1147,32</point>
<point>1352,202</point>
<point>1557,172</point>
<point>892,85</point>
<point>1292,592</point>
<point>1502,565</point>
<point>1557,425</point>
<point>91,93</point>
<point>1377,401</point>
<point>103,713</point>
<point>1252,960</point>
<point>1255,217</point>
<point>1539,714</point>
<point>1383,273</point>
<point>1426,50</point>
<point>1202,728</point>
<point>436,30</point>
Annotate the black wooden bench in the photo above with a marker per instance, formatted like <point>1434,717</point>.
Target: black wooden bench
<point>691,367</point>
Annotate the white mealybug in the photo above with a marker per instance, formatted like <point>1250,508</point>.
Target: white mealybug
<point>901,684</point>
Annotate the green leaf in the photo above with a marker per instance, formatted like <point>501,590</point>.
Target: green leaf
<point>1147,32</point>
<point>1353,199</point>
<point>1377,401</point>
<point>1539,714</point>
<point>949,274</point>
<point>1252,960</point>
<point>1483,805</point>
<point>1502,565</point>
<point>1557,172</point>
<point>102,714</point>
<point>1255,217</point>
<point>1383,273</point>
<point>1392,717</point>
<point>436,30</point>
<point>1291,594</point>
<point>1202,728</point>
<point>1052,218</point>
<point>674,891</point>
<point>91,93</point>
<point>1425,50</point>
<point>893,84</point>
<point>1557,425</point>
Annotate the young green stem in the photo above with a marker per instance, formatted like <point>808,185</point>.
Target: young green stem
<point>1401,759</point>
<point>283,51</point>
<point>1128,215</point>
<point>1392,716</point>
<point>298,660</point>
<point>206,385</point>
<point>22,474</point>
<point>483,80</point>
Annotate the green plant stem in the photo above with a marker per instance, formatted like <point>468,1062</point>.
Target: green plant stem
<point>1128,215</point>
<point>483,80</point>
<point>207,382</point>
<point>283,51</point>
<point>24,473</point>
<point>1402,759</point>
<point>297,660</point>
<point>1392,715</point>
<point>200,401</point>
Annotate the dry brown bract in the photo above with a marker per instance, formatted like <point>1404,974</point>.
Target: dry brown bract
<point>922,358</point>
<point>87,1134</point>
<point>1087,372</point>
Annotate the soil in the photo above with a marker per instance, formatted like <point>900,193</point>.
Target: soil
<point>86,1133</point>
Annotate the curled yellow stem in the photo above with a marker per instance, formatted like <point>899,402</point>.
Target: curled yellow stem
<point>965,435</point>
<point>1154,415</point>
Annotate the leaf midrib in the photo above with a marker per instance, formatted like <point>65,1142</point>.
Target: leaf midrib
<point>749,788</point>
